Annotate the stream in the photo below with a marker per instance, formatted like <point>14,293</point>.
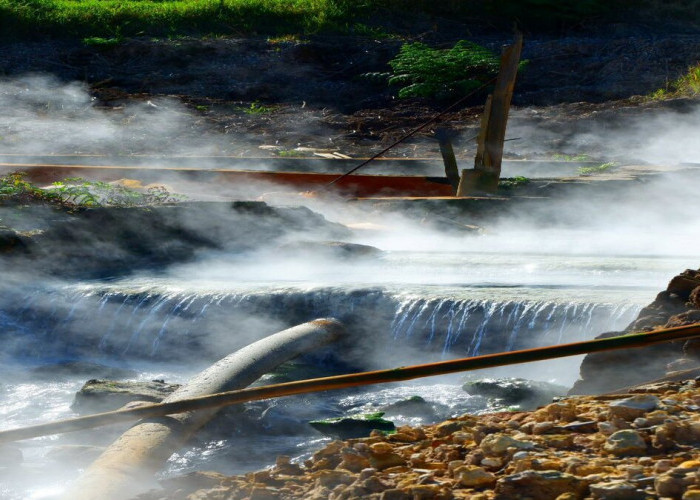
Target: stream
<point>406,307</point>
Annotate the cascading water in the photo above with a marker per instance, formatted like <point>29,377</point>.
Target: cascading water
<point>410,308</point>
<point>166,322</point>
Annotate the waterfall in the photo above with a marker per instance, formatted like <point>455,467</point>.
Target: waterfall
<point>471,327</point>
<point>166,323</point>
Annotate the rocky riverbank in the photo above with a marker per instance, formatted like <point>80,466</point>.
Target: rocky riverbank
<point>638,445</point>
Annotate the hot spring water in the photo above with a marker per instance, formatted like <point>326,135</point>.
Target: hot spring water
<point>407,308</point>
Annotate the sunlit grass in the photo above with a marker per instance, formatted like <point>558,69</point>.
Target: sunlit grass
<point>687,85</point>
<point>116,18</point>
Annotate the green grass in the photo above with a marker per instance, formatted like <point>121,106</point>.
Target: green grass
<point>602,168</point>
<point>115,19</point>
<point>121,18</point>
<point>687,85</point>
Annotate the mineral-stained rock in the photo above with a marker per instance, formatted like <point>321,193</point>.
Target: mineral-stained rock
<point>474,477</point>
<point>497,444</point>
<point>625,443</point>
<point>616,490</point>
<point>543,485</point>
<point>633,407</point>
<point>671,484</point>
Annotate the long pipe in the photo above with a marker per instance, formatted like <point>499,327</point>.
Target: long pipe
<point>354,380</point>
<point>129,464</point>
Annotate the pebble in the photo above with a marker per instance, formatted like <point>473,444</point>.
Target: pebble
<point>626,442</point>
<point>593,458</point>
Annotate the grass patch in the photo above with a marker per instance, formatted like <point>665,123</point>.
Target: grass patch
<point>256,108</point>
<point>128,18</point>
<point>687,85</point>
<point>602,168</point>
<point>76,192</point>
<point>509,183</point>
<point>565,157</point>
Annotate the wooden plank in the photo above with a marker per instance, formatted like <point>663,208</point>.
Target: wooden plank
<point>500,106</point>
<point>489,153</point>
<point>448,157</point>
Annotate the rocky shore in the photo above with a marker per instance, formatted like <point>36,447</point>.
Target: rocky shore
<point>638,445</point>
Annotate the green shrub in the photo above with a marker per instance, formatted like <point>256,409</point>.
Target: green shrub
<point>687,85</point>
<point>422,71</point>
<point>76,192</point>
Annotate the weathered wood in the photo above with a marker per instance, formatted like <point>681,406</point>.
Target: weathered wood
<point>448,157</point>
<point>500,106</point>
<point>489,149</point>
<point>479,158</point>
<point>128,465</point>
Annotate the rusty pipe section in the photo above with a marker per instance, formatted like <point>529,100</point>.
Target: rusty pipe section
<point>128,465</point>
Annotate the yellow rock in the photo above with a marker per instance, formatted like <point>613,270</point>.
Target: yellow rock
<point>474,476</point>
<point>381,448</point>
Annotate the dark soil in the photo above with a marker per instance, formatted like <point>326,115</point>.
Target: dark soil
<point>315,94</point>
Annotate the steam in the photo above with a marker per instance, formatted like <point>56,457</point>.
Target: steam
<point>656,134</point>
<point>630,238</point>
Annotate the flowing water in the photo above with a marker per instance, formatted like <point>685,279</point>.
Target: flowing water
<point>405,307</point>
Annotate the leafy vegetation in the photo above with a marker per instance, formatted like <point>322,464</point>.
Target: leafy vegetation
<point>604,167</point>
<point>565,157</point>
<point>256,108</point>
<point>76,192</point>
<point>513,182</point>
<point>687,85</point>
<point>422,71</point>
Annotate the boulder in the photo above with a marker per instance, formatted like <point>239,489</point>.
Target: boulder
<point>353,426</point>
<point>543,485</point>
<point>526,394</point>
<point>107,395</point>
<point>330,250</point>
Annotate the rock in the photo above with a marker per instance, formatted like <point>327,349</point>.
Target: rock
<point>542,485</point>
<point>498,444</point>
<point>616,490</point>
<point>193,481</point>
<point>11,241</point>
<point>684,318</point>
<point>633,407</point>
<point>694,297</point>
<point>444,429</point>
<point>84,369</point>
<point>330,249</point>
<point>354,426</point>
<point>472,476</point>
<point>415,406</point>
<point>106,395</point>
<point>527,394</point>
<point>671,484</point>
<point>386,460</point>
<point>626,443</point>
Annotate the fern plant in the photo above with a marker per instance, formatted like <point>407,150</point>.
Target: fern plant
<point>422,71</point>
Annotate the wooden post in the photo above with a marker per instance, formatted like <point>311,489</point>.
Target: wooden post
<point>487,163</point>
<point>444,137</point>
